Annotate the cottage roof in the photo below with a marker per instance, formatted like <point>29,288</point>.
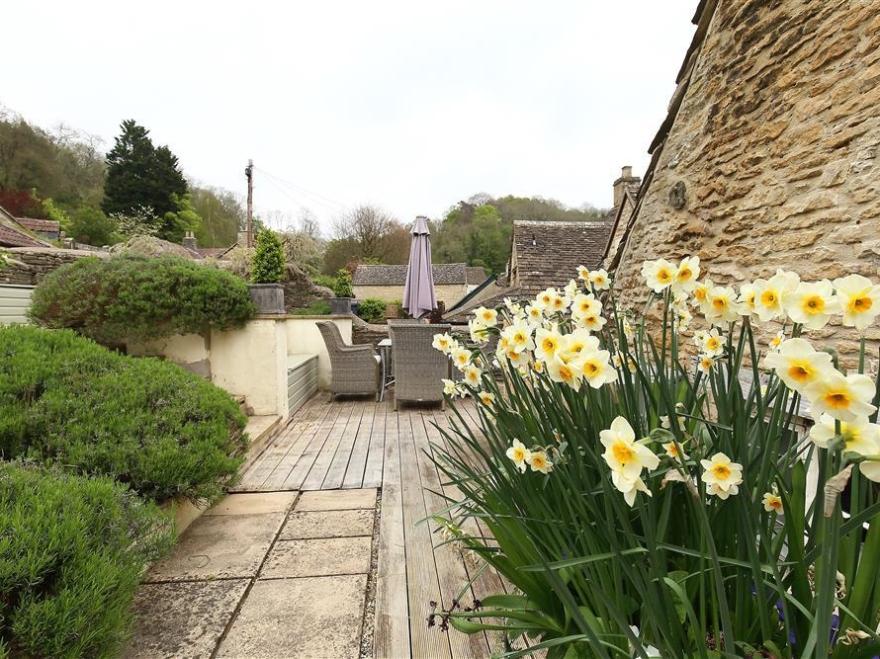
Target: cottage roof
<point>395,275</point>
<point>36,224</point>
<point>13,234</point>
<point>548,253</point>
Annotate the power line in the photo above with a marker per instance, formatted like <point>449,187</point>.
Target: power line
<point>300,201</point>
<point>302,189</point>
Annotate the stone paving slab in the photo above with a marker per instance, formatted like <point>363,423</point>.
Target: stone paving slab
<point>336,500</point>
<point>311,558</point>
<point>328,524</point>
<point>308,618</point>
<point>220,546</point>
<point>253,504</point>
<point>182,619</point>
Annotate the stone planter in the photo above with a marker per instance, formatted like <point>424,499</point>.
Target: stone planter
<point>341,305</point>
<point>269,298</point>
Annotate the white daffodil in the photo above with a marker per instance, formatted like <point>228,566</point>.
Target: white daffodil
<point>583,273</point>
<point>770,294</point>
<point>859,300</point>
<point>701,293</point>
<point>565,370</point>
<point>721,305</point>
<point>747,296</point>
<point>798,365</point>
<point>777,340</point>
<point>449,387</point>
<point>486,317</point>
<point>706,364</point>
<point>519,454</point>
<point>478,331</point>
<point>444,343</point>
<point>518,337</point>
<point>547,342</point>
<point>487,398</point>
<point>571,289</point>
<point>713,343</point>
<point>859,436</point>
<point>596,368</point>
<point>517,358</point>
<point>675,451</point>
<point>558,303</point>
<point>539,461</point>
<point>592,323</point>
<point>629,487</point>
<point>576,342</point>
<point>584,305</point>
<point>812,304</point>
<point>659,275</point>
<point>623,453</point>
<point>472,375</point>
<point>871,470</point>
<point>686,274</point>
<point>721,476</point>
<point>772,502</point>
<point>544,299</point>
<point>534,314</point>
<point>844,397</point>
<point>599,279</point>
<point>461,357</point>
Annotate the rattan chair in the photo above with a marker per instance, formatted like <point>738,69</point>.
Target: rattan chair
<point>418,367</point>
<point>355,369</point>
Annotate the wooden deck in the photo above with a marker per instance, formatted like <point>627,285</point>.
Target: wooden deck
<point>364,444</point>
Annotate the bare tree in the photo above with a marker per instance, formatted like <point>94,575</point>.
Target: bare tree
<point>369,228</point>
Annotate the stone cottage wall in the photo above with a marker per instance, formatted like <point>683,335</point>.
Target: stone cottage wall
<point>28,265</point>
<point>776,148</point>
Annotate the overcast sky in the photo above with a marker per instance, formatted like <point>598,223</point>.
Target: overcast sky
<point>409,105</point>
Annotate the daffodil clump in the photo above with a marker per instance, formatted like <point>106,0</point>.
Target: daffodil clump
<point>669,488</point>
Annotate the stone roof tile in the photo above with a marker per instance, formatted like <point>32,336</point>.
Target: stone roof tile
<point>395,275</point>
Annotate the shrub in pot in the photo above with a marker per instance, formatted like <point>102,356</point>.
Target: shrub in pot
<point>372,310</point>
<point>342,289</point>
<point>267,271</point>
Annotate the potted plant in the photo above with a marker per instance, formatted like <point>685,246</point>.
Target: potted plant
<point>266,272</point>
<point>341,304</point>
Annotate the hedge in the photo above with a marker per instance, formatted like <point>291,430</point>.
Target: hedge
<point>72,551</point>
<point>372,310</point>
<point>136,298</point>
<point>150,424</point>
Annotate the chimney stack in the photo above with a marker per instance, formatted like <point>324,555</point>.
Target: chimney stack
<point>620,185</point>
<point>189,240</point>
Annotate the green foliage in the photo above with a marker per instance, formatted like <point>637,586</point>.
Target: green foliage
<point>53,212</point>
<point>141,176</point>
<point>366,234</point>
<point>316,308</point>
<point>221,214</point>
<point>342,285</point>
<point>72,553</point>
<point>91,226</point>
<point>163,431</point>
<point>328,281</point>
<point>268,264</point>
<point>176,223</point>
<point>372,310</point>
<point>134,298</point>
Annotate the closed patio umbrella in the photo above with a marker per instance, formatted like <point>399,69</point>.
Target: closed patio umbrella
<point>418,289</point>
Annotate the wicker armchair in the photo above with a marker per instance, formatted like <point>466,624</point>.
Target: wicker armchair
<point>355,369</point>
<point>418,367</point>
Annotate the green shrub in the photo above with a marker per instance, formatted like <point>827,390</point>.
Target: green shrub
<point>328,281</point>
<point>268,264</point>
<point>316,308</point>
<point>372,310</point>
<point>72,551</point>
<point>342,285</point>
<point>135,298</point>
<point>147,423</point>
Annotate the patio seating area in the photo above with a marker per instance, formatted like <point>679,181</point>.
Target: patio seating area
<point>352,448</point>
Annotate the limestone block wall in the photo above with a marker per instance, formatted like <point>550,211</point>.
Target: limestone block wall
<point>448,293</point>
<point>28,265</point>
<point>775,147</point>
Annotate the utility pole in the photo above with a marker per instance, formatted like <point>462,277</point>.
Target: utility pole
<point>249,229</point>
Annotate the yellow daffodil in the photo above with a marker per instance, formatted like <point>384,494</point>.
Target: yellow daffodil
<point>686,274</point>
<point>659,275</point>
<point>623,453</point>
<point>772,502</point>
<point>770,294</point>
<point>461,357</point>
<point>487,317</point>
<point>599,279</point>
<point>519,454</point>
<point>444,343</point>
<point>539,461</point>
<point>596,368</point>
<point>629,487</point>
<point>798,365</point>
<point>812,304</point>
<point>721,476</point>
<point>844,397</point>
<point>859,436</point>
<point>547,342</point>
<point>583,273</point>
<point>859,300</point>
<point>721,305</point>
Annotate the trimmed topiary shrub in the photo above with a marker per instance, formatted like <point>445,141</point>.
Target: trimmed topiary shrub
<point>372,310</point>
<point>342,286</point>
<point>72,551</point>
<point>268,263</point>
<point>150,424</point>
<point>135,298</point>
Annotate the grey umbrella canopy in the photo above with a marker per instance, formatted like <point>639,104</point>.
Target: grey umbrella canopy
<point>418,290</point>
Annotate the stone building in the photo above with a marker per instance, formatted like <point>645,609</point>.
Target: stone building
<point>452,281</point>
<point>768,156</point>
